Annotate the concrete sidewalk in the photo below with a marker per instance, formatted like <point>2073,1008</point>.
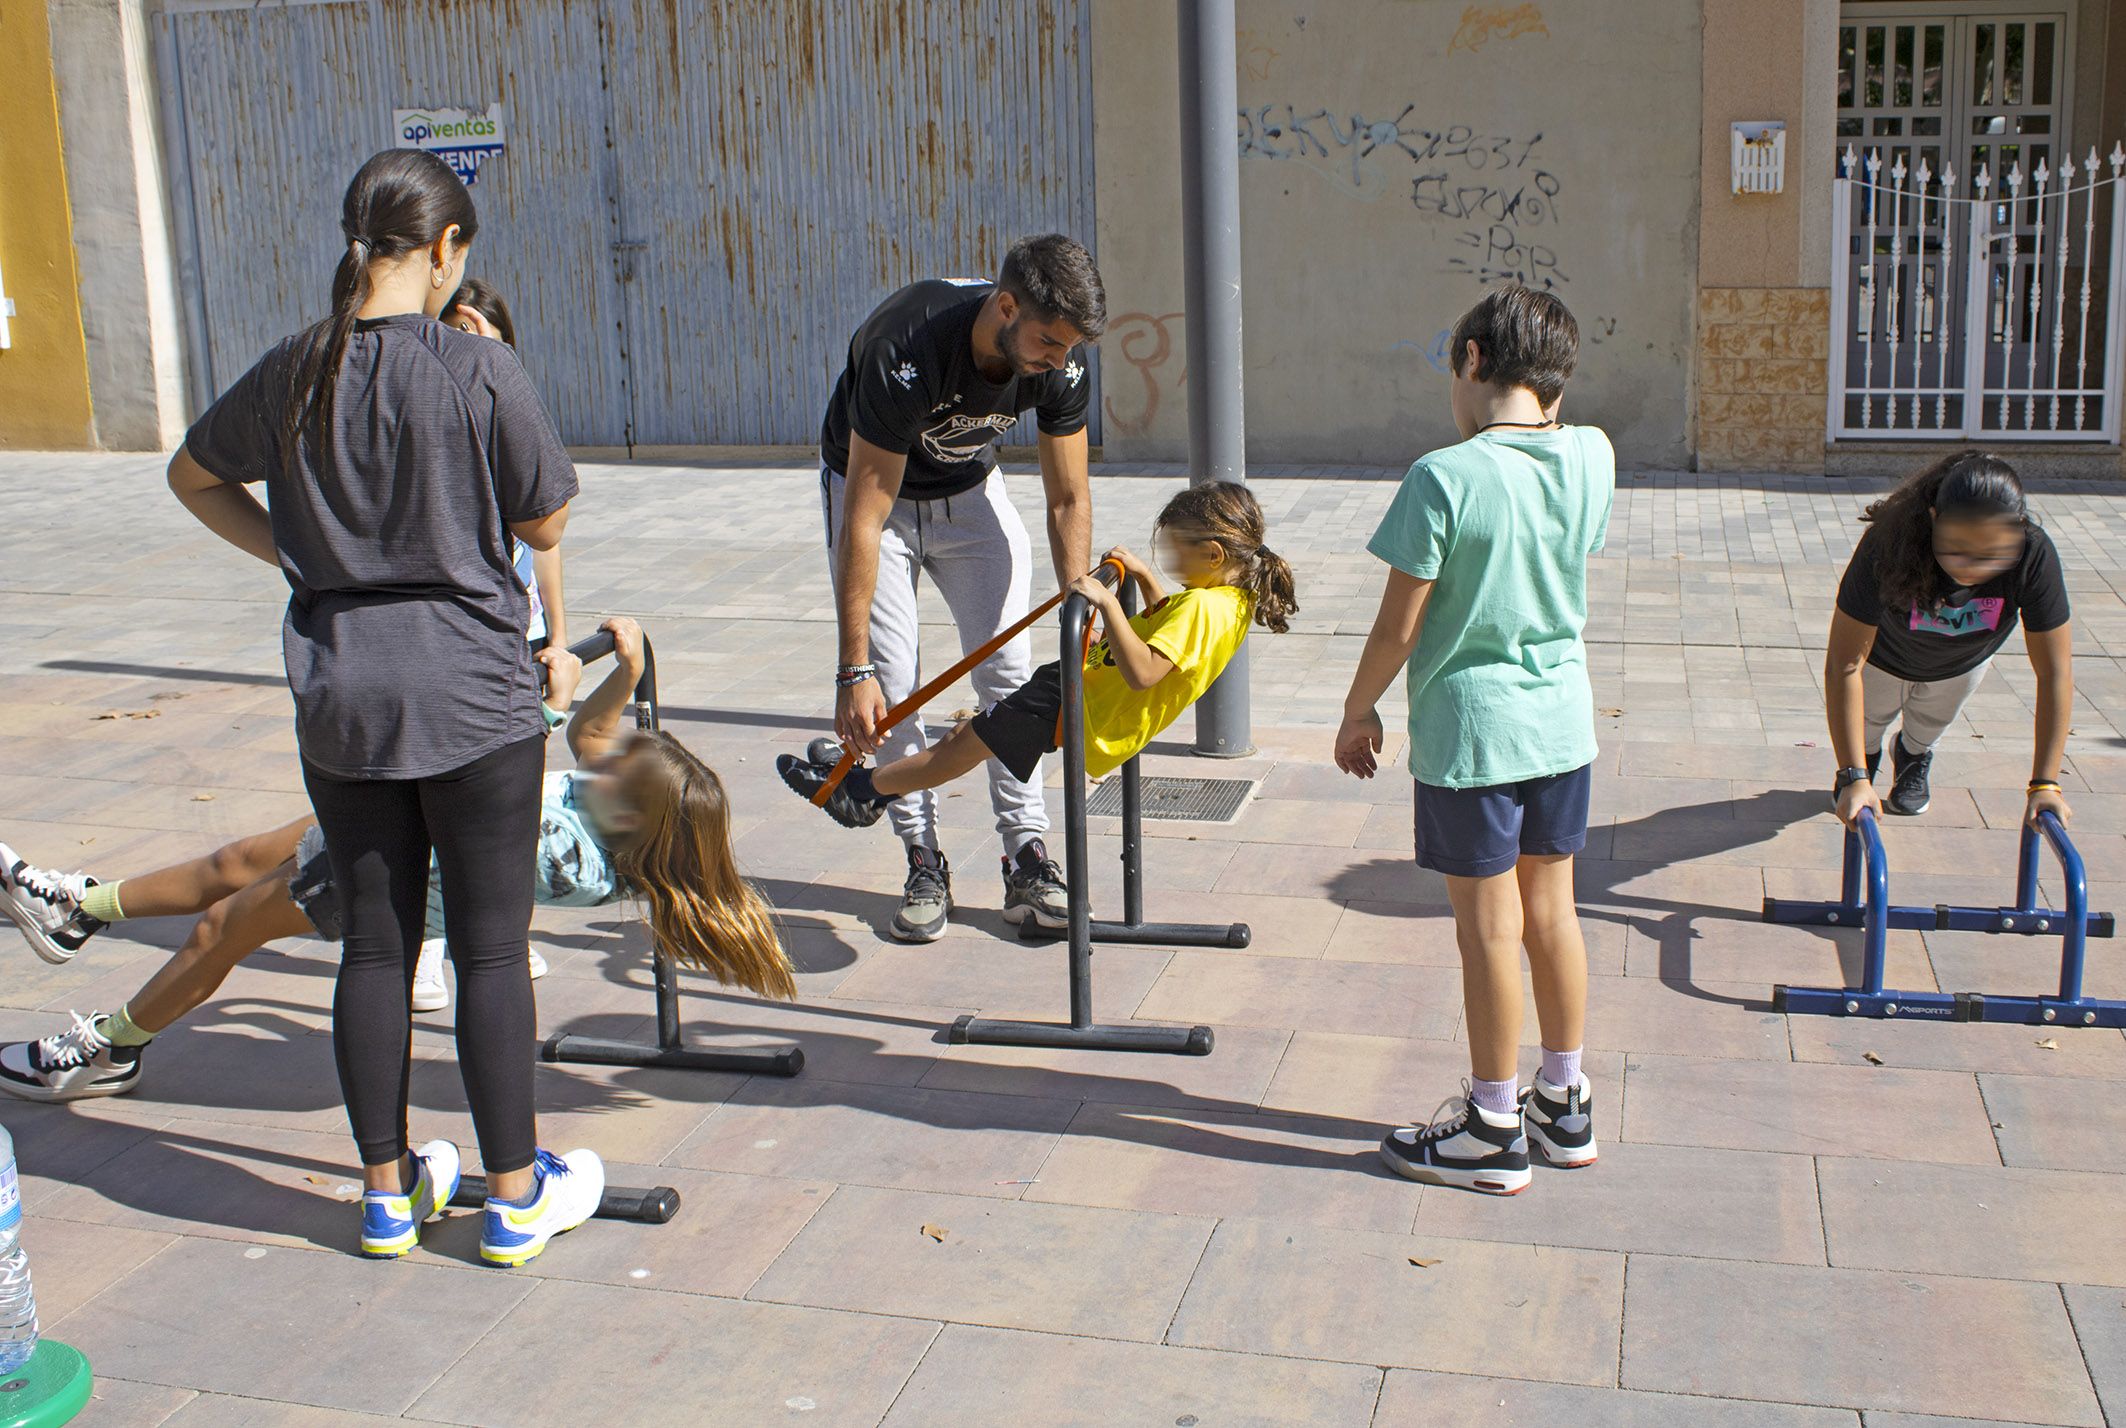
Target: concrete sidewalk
<point>1795,1222</point>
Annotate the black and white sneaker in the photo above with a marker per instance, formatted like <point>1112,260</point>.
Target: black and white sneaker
<point>1033,887</point>
<point>1560,1122</point>
<point>845,806</point>
<point>46,906</point>
<point>70,1065</point>
<point>1465,1146</point>
<point>926,898</point>
<point>1909,794</point>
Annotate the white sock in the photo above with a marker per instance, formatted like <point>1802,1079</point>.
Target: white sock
<point>1562,1068</point>
<point>1497,1097</point>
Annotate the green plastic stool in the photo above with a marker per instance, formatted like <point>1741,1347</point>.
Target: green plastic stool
<point>48,1390</point>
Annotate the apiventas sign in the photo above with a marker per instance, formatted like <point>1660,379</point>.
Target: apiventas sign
<point>458,137</point>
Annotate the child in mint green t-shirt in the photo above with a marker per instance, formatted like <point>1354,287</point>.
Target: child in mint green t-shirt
<point>1487,544</point>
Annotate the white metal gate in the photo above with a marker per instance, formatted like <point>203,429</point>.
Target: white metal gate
<point>1985,306</point>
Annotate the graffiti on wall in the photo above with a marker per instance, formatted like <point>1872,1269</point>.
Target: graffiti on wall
<point>1482,24</point>
<point>1493,197</point>
<point>1145,342</point>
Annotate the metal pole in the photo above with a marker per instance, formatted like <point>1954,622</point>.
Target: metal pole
<point>1210,226</point>
<point>1076,611</point>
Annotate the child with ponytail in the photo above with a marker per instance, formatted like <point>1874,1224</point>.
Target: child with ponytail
<point>1146,669</point>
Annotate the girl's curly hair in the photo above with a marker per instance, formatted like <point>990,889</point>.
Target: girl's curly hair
<point>1970,485</point>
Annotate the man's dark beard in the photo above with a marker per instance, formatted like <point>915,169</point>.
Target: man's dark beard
<point>1008,344</point>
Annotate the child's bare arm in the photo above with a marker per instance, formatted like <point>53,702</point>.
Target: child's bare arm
<point>1396,628</point>
<point>1134,567</point>
<point>598,725</point>
<point>546,574</point>
<point>1141,665</point>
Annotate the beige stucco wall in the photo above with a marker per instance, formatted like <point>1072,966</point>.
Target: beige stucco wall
<point>1555,140</point>
<point>1769,62</point>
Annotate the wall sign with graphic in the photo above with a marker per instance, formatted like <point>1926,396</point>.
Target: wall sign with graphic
<point>459,137</point>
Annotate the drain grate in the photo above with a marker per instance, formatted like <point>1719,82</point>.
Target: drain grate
<point>1192,800</point>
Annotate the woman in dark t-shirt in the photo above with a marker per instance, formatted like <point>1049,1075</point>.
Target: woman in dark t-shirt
<point>1951,560</point>
<point>399,457</point>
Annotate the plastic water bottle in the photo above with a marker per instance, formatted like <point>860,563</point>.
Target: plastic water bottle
<point>18,1306</point>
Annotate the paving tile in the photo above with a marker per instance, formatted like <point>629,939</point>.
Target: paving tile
<point>1338,874</point>
<point>249,1183</point>
<point>120,1403</point>
<point>1378,999</point>
<point>2047,1123</point>
<point>1721,1204</point>
<point>1973,1046</point>
<point>1204,1163</point>
<point>1722,1019</point>
<point>1424,936</point>
<point>1416,1399</point>
<point>1308,1292</point>
<point>1853,1338</point>
<point>1687,947</point>
<point>1876,1419</point>
<point>998,978</point>
<point>2010,1224</point>
<point>1232,1078</point>
<point>677,1358</point>
<point>1871,1111</point>
<point>1111,1274</point>
<point>2100,1324</point>
<point>72,1262</point>
<point>216,1410</point>
<point>291,1324</point>
<point>56,1146</point>
<point>976,1377</point>
<point>955,1141</point>
<point>890,1043</point>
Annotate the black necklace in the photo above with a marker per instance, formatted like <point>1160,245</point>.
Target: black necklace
<point>1523,425</point>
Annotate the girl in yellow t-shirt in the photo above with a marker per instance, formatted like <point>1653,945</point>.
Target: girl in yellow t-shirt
<point>1138,678</point>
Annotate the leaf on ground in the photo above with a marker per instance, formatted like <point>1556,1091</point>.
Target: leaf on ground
<point>1804,743</point>
<point>1610,713</point>
<point>936,1232</point>
<point>202,798</point>
<point>126,714</point>
<point>2050,1043</point>
<point>1871,1058</point>
<point>317,1180</point>
<point>1423,1263</point>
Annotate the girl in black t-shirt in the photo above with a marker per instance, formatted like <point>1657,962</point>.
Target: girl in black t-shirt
<point>1949,563</point>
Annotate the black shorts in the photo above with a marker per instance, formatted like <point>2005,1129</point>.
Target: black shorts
<point>1482,832</point>
<point>1019,728</point>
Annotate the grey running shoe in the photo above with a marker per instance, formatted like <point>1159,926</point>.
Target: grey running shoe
<point>926,900</point>
<point>1909,793</point>
<point>845,805</point>
<point>1034,887</point>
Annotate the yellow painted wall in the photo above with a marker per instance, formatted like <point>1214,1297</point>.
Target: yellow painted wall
<point>44,374</point>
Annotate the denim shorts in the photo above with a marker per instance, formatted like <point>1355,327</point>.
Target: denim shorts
<point>1482,832</point>
<point>312,889</point>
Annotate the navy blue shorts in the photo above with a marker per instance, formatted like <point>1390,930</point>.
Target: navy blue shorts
<point>1482,832</point>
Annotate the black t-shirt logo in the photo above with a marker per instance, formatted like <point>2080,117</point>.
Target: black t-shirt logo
<point>964,437</point>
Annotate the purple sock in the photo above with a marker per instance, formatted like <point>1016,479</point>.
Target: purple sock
<point>1497,1097</point>
<point>1562,1068</point>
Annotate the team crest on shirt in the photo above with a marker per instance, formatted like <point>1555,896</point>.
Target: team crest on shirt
<point>905,374</point>
<point>1073,371</point>
<point>962,438</point>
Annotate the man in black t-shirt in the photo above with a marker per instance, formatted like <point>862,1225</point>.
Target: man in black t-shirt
<point>909,486</point>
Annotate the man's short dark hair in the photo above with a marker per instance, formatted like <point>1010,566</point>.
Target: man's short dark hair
<point>1523,339</point>
<point>1055,276</point>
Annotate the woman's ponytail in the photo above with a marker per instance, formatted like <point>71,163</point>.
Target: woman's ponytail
<point>401,200</point>
<point>1227,512</point>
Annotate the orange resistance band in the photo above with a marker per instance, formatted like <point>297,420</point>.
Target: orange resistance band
<point>937,686</point>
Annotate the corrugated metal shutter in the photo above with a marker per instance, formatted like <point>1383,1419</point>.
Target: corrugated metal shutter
<point>698,201</point>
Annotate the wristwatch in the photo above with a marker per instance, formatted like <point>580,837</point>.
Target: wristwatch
<point>1847,778</point>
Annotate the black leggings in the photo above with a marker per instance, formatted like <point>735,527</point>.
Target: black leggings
<point>483,822</point>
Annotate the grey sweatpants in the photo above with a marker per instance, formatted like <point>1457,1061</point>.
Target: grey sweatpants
<point>1926,709</point>
<point>975,547</point>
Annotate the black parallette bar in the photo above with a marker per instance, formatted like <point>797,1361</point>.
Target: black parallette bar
<point>653,1206</point>
<point>1172,1040</point>
<point>1149,934</point>
<point>746,1061</point>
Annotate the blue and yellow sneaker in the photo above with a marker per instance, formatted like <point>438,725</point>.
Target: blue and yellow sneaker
<point>391,1224</point>
<point>565,1192</point>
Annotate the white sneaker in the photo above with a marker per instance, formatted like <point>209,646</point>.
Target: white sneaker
<point>429,993</point>
<point>46,906</point>
<point>391,1224</point>
<point>565,1192</point>
<point>69,1065</point>
<point>538,965</point>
